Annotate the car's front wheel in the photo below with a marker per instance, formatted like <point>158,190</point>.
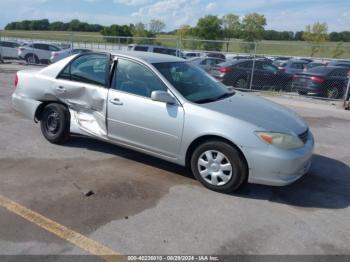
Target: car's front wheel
<point>55,123</point>
<point>219,166</point>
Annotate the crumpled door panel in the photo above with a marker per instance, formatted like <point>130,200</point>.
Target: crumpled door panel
<point>87,104</point>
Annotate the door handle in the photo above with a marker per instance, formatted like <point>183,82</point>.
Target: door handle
<point>116,101</point>
<point>60,89</point>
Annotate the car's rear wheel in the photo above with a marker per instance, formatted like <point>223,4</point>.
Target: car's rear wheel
<point>219,166</point>
<point>31,59</point>
<point>333,93</point>
<point>241,83</point>
<point>55,123</point>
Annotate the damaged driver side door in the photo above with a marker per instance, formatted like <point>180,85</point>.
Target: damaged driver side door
<point>82,85</point>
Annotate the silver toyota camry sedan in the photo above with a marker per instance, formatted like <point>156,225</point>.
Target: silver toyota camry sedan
<point>162,106</point>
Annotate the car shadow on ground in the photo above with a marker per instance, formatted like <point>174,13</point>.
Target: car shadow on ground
<point>104,147</point>
<point>327,185</point>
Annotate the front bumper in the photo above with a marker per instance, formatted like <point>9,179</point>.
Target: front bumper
<point>277,167</point>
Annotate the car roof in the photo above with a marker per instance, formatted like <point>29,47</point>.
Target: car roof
<point>323,70</point>
<point>301,61</point>
<point>9,41</point>
<point>149,57</point>
<point>148,45</point>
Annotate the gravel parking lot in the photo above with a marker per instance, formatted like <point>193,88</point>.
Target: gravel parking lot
<point>143,205</point>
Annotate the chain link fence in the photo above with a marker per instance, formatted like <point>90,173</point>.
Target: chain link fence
<point>296,68</point>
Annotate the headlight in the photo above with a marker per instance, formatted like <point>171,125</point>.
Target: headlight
<point>280,140</point>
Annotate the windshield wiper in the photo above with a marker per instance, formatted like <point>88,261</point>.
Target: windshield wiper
<point>208,100</point>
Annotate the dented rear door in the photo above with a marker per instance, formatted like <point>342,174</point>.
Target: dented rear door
<point>82,85</point>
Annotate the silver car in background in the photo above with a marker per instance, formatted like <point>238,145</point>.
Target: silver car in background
<point>59,55</point>
<point>165,107</point>
<point>206,63</point>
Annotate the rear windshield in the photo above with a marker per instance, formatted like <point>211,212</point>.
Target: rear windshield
<point>227,63</point>
<point>319,70</point>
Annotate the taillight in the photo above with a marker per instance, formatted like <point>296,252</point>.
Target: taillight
<point>16,80</point>
<point>295,77</point>
<point>317,79</point>
<point>225,69</point>
<point>21,49</point>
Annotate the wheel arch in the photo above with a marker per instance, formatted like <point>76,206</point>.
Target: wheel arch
<point>40,109</point>
<point>202,139</point>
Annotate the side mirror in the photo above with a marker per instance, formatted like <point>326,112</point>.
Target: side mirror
<point>163,96</point>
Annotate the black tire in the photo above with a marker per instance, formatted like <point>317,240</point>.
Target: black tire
<point>239,170</point>
<point>288,86</point>
<point>302,93</point>
<point>55,123</point>
<point>241,83</point>
<point>333,93</point>
<point>32,59</point>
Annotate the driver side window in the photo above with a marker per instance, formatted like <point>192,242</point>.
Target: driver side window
<point>134,78</point>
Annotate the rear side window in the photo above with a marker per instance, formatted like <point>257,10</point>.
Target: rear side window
<point>65,74</point>
<point>41,46</point>
<point>227,63</point>
<point>344,65</point>
<point>9,44</point>
<point>246,65</point>
<point>53,48</point>
<point>319,70</point>
<point>297,65</point>
<point>164,51</point>
<point>90,69</point>
<point>339,73</point>
<point>140,48</point>
<point>269,67</point>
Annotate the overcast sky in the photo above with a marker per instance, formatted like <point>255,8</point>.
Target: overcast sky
<point>291,15</point>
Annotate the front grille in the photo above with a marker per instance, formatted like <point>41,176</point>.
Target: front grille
<point>303,136</point>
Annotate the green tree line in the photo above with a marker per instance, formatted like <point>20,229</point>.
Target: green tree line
<point>251,28</point>
<point>45,25</point>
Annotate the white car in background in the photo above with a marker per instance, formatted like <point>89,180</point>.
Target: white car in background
<point>36,53</point>
<point>57,56</point>
<point>155,49</point>
<point>8,50</point>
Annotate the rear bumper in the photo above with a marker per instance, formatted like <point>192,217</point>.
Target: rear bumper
<point>308,88</point>
<point>277,167</point>
<point>25,105</point>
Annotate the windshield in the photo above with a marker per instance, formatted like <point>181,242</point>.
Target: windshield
<point>193,83</point>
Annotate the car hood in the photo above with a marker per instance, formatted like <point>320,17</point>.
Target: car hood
<point>266,115</point>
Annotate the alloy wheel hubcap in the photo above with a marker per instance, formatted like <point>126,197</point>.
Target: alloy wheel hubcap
<point>215,168</point>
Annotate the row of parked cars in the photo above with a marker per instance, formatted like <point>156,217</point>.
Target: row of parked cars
<point>36,52</point>
<point>304,76</point>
